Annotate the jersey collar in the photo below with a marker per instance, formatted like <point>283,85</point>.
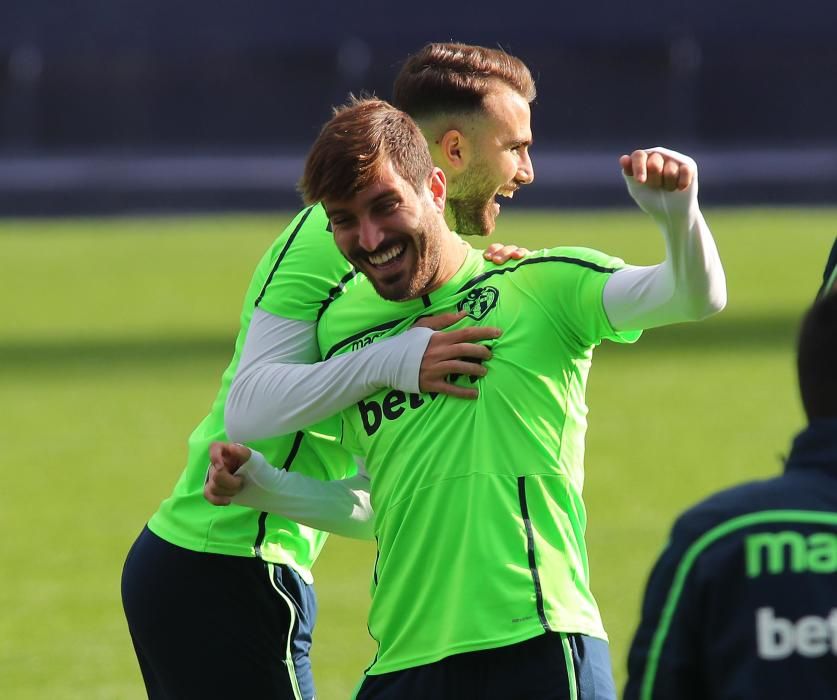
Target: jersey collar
<point>816,446</point>
<point>472,265</point>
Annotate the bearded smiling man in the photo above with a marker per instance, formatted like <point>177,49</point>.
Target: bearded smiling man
<point>481,137</point>
<point>481,586</point>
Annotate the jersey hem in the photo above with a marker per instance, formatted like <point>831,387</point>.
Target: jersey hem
<point>207,547</point>
<point>377,669</point>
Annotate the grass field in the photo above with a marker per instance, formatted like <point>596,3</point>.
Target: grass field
<point>115,332</point>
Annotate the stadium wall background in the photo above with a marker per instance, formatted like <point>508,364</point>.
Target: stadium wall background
<point>108,105</point>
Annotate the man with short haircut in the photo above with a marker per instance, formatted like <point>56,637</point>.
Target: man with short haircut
<point>191,553</point>
<point>742,603</point>
<point>481,586</point>
<point>473,107</point>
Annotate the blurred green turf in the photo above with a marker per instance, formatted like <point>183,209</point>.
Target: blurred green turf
<point>114,335</point>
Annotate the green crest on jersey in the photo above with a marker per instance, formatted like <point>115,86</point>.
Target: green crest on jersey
<point>479,302</point>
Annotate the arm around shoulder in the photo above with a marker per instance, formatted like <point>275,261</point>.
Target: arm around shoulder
<point>280,387</point>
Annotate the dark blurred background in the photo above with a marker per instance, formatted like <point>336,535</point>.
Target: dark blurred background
<point>136,105</point>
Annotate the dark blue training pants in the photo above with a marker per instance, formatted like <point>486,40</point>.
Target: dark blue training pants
<point>552,666</point>
<point>216,626</point>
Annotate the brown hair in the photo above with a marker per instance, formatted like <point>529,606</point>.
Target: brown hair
<point>355,144</point>
<point>817,359</point>
<point>456,78</point>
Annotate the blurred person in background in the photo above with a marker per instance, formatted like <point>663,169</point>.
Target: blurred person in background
<point>742,603</point>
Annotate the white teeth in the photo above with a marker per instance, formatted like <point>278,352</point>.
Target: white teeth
<point>386,256</point>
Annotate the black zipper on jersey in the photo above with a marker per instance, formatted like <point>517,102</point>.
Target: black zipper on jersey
<point>530,550</point>
<point>257,545</point>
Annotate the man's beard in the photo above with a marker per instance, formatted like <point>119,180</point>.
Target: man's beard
<point>472,206</point>
<point>427,242</point>
<point>472,217</point>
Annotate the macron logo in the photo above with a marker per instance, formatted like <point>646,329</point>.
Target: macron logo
<point>811,636</point>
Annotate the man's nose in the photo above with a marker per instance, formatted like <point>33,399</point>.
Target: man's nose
<point>526,171</point>
<point>370,235</point>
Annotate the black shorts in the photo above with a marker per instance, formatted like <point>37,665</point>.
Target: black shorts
<point>217,626</point>
<point>552,666</point>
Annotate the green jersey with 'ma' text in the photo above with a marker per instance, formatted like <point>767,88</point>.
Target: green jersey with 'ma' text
<point>479,517</point>
<point>297,278</point>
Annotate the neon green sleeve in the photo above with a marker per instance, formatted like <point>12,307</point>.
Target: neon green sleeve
<point>303,270</point>
<point>573,288</point>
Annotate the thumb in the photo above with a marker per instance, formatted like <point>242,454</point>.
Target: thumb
<point>228,456</point>
<point>217,455</point>
<point>440,321</point>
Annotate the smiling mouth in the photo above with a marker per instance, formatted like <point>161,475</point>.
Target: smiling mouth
<point>507,192</point>
<point>387,257</point>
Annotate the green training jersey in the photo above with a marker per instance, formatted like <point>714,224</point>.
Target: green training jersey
<point>297,278</point>
<point>479,517</point>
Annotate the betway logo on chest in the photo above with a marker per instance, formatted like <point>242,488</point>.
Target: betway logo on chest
<point>811,636</point>
<point>394,405</point>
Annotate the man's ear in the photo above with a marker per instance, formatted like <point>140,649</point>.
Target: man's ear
<point>454,150</point>
<point>438,187</point>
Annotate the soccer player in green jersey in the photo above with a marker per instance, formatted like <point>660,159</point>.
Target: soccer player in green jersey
<point>191,550</point>
<point>481,586</point>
